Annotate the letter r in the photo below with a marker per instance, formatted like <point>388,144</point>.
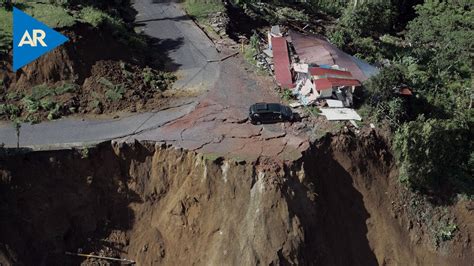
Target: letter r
<point>38,36</point>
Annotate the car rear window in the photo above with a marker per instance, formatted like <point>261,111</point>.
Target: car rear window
<point>261,107</point>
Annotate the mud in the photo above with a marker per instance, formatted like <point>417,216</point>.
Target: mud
<point>92,55</point>
<point>340,204</point>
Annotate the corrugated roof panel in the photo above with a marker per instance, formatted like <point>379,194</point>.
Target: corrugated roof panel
<point>281,61</point>
<point>319,71</point>
<point>329,83</point>
<point>315,49</point>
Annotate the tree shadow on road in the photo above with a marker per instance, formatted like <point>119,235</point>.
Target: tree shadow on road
<point>159,50</point>
<point>178,18</point>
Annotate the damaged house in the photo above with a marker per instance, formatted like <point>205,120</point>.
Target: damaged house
<point>333,83</point>
<point>321,83</point>
<point>318,72</point>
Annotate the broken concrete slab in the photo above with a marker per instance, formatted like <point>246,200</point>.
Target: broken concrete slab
<point>334,114</point>
<point>334,103</point>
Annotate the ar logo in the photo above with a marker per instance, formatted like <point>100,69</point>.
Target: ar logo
<point>38,36</point>
<point>32,39</point>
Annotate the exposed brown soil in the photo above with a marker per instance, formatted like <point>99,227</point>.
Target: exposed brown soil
<point>364,216</point>
<point>91,54</point>
<point>340,205</point>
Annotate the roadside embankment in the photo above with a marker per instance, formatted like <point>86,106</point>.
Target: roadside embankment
<point>155,204</point>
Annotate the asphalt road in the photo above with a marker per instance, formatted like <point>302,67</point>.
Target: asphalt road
<point>214,122</point>
<point>188,49</point>
<point>181,40</point>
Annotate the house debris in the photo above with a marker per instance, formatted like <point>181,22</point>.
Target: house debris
<point>317,72</point>
<point>281,60</point>
<point>334,103</point>
<point>312,49</point>
<point>403,90</point>
<point>335,114</point>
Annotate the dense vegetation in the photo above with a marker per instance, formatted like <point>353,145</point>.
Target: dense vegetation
<point>433,54</point>
<point>427,46</point>
<point>433,140</point>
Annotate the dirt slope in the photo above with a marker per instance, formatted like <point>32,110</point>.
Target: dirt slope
<point>106,75</point>
<point>163,206</point>
<point>364,211</point>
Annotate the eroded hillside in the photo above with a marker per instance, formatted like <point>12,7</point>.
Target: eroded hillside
<point>341,204</point>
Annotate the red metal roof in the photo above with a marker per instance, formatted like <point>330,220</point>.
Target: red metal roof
<point>406,91</point>
<point>281,61</point>
<point>317,50</point>
<point>329,83</point>
<point>320,71</point>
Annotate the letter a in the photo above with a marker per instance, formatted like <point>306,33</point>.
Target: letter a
<point>26,39</point>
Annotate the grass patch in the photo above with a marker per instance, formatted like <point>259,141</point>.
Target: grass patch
<point>57,16</point>
<point>51,15</point>
<point>9,110</point>
<point>249,55</point>
<point>6,21</point>
<point>5,30</point>
<point>93,16</point>
<point>200,9</point>
<point>66,88</point>
<point>40,91</point>
<point>287,95</point>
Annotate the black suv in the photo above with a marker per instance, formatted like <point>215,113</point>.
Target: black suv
<point>269,113</point>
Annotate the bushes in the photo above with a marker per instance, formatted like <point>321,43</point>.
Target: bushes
<point>369,19</point>
<point>114,92</point>
<point>442,35</point>
<point>435,155</point>
<point>93,16</point>
<point>159,81</point>
<point>380,96</point>
<point>358,26</point>
<point>286,14</point>
<point>9,110</point>
<point>52,15</point>
<point>381,86</point>
<point>201,9</point>
<point>5,30</point>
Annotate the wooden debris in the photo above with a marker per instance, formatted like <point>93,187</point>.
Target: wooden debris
<point>126,261</point>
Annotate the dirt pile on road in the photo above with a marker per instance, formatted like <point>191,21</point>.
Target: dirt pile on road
<point>155,204</point>
<point>108,74</point>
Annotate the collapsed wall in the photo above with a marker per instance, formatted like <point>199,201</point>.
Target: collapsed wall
<point>156,204</point>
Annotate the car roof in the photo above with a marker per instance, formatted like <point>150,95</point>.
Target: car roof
<point>267,107</point>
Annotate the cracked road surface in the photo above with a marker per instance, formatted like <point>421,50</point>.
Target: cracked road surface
<point>215,122</point>
<point>219,125</point>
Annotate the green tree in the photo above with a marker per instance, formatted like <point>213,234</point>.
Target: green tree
<point>436,154</point>
<point>360,24</point>
<point>7,4</point>
<point>441,36</point>
<point>380,87</point>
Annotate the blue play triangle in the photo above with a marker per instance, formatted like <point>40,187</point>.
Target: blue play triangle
<point>32,39</point>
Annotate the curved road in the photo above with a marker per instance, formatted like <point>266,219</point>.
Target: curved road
<point>212,123</point>
<point>188,48</point>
